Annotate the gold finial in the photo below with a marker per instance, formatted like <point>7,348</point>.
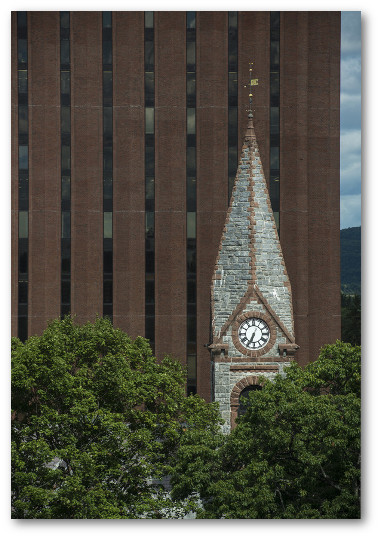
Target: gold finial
<point>252,82</point>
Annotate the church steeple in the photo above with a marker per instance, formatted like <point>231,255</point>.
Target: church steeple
<point>252,313</point>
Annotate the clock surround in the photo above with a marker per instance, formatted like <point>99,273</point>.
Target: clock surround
<point>269,342</point>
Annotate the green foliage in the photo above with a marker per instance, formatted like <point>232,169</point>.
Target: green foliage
<point>351,318</point>
<point>295,454</point>
<point>95,422</point>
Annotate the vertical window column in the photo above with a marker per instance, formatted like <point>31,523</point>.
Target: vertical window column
<point>232,99</point>
<point>191,202</point>
<point>65,163</point>
<point>274,185</point>
<point>149,178</point>
<point>23,174</point>
<point>107,165</point>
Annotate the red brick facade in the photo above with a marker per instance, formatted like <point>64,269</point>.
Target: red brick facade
<point>309,188</point>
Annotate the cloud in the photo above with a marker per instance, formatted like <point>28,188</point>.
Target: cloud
<point>351,32</point>
<point>350,210</point>
<point>350,162</point>
<point>350,72</point>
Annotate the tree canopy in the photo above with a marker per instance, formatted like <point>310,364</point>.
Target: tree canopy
<point>95,422</point>
<point>294,454</point>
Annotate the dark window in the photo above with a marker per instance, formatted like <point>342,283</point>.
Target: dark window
<point>65,157</point>
<point>23,81</point>
<point>190,89</point>
<point>65,291</point>
<point>23,328</point>
<point>107,261</point>
<point>191,165</point>
<point>65,256</point>
<point>149,55</point>
<point>65,52</point>
<point>23,292</point>
<point>65,120</point>
<point>107,88</point>
<point>23,120</point>
<point>149,161</point>
<point>190,20</point>
<point>149,89</point>
<point>22,52</point>
<point>66,228</point>
<point>107,19</point>
<point>107,52</point>
<point>107,291</point>
<point>190,55</point>
<point>23,157</point>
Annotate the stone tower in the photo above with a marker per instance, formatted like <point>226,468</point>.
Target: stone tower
<point>252,313</point>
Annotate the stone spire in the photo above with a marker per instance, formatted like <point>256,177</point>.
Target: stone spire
<point>250,282</point>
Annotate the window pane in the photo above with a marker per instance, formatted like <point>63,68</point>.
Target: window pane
<point>190,54</point>
<point>274,55</point>
<point>149,161</point>
<point>65,231</point>
<point>23,157</point>
<point>191,161</point>
<point>65,19</point>
<point>149,55</point>
<point>65,82</point>
<point>149,292</point>
<point>190,19</point>
<point>149,19</point>
<point>107,121</point>
<point>191,225</point>
<point>149,120</point>
<point>65,120</point>
<point>191,121</point>
<point>107,84</point>
<point>107,19</point>
<point>23,119</point>
<point>65,188</point>
<point>23,224</point>
<point>22,51</point>
<point>107,52</point>
<point>275,158</point>
<point>65,52</point>
<point>149,224</point>
<point>65,292</point>
<point>149,88</point>
<point>274,120</point>
<point>107,291</point>
<point>65,156</point>
<point>149,188</point>
<point>23,81</point>
<point>232,123</point>
<point>107,225</point>
<point>191,368</point>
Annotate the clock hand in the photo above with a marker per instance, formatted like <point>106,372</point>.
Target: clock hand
<point>253,334</point>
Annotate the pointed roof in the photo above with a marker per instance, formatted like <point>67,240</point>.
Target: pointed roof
<point>250,267</point>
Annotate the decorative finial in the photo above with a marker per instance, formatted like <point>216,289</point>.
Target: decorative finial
<point>252,82</point>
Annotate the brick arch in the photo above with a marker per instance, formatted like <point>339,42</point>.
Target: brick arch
<point>235,394</point>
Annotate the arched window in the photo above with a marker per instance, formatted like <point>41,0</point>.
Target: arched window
<point>244,396</point>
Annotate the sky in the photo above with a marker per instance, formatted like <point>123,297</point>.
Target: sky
<point>350,120</point>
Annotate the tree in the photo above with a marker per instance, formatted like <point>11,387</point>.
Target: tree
<point>351,319</point>
<point>95,421</point>
<point>294,454</point>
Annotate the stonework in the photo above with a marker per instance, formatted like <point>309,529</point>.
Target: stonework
<point>249,281</point>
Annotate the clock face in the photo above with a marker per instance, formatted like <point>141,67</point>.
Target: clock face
<point>254,333</point>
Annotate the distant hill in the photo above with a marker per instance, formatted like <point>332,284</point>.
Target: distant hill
<point>350,260</point>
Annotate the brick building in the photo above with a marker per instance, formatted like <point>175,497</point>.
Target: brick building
<point>126,133</point>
